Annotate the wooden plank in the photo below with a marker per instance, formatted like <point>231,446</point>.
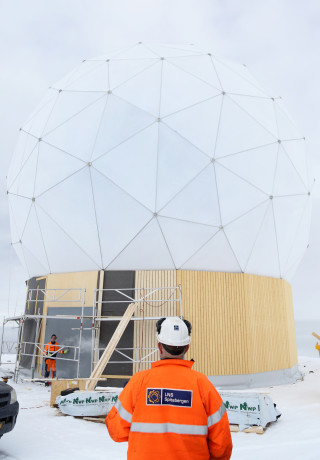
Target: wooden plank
<point>95,419</point>
<point>106,376</point>
<point>251,429</point>
<point>112,345</point>
<point>98,315</point>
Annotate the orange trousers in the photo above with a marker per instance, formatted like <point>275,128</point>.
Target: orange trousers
<point>50,365</point>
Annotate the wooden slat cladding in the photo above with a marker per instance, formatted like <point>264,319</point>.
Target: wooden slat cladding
<point>144,331</point>
<point>77,280</point>
<point>242,324</point>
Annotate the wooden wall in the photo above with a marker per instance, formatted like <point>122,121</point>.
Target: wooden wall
<point>242,324</point>
<point>144,331</point>
<point>78,280</point>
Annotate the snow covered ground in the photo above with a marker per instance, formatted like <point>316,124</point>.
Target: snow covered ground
<point>42,434</point>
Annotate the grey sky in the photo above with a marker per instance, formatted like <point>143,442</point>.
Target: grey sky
<point>42,41</point>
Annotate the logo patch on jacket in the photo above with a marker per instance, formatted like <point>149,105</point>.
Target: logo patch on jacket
<point>169,397</point>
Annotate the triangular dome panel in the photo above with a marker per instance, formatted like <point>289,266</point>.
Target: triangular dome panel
<point>143,90</point>
<point>70,204</point>
<point>33,265</point>
<point>133,165</point>
<point>178,163</point>
<point>77,135</point>
<point>198,124</point>
<point>197,202</point>
<point>236,196</point>
<point>238,131</point>
<point>24,183</point>
<point>122,70</point>
<point>120,217</point>
<point>243,232</point>
<point>261,109</point>
<point>55,241</point>
<point>32,240</point>
<point>22,173</point>
<point>119,122</point>
<point>287,180</point>
<point>264,258</point>
<point>256,166</point>
<point>286,127</point>
<point>297,154</point>
<point>68,105</point>
<point>234,79</point>
<point>137,254</point>
<point>176,93</point>
<point>200,66</point>
<point>25,145</point>
<point>38,123</point>
<point>20,208</point>
<point>184,238</point>
<point>216,255</point>
<point>301,240</point>
<point>49,167</point>
<point>288,209</point>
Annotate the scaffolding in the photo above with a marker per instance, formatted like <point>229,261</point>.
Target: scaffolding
<point>153,297</point>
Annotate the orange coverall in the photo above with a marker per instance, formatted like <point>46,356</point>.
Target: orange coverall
<point>171,412</point>
<point>50,348</point>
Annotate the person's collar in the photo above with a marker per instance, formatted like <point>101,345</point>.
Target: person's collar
<point>172,362</point>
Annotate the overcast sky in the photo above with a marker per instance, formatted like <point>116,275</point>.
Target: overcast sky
<point>41,41</point>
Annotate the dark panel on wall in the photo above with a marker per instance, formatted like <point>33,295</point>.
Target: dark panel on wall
<point>68,334</point>
<point>110,307</point>
<point>34,305</point>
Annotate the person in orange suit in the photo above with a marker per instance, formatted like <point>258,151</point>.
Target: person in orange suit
<point>171,411</point>
<point>51,350</point>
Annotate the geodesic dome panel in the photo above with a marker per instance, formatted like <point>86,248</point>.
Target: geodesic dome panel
<point>160,157</point>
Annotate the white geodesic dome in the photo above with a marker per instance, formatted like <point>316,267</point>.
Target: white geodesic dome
<point>160,157</point>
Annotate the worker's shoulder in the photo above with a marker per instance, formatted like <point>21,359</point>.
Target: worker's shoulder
<point>202,379</point>
<point>140,375</point>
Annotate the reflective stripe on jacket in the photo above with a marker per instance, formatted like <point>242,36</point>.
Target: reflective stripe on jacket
<point>171,412</point>
<point>51,350</point>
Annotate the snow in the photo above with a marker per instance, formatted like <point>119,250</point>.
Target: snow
<point>41,433</point>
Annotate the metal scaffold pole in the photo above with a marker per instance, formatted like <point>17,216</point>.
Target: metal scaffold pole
<point>18,357</point>
<point>33,364</point>
<point>83,293</point>
<point>2,341</point>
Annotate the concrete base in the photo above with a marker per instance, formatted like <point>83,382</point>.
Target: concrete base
<point>259,380</point>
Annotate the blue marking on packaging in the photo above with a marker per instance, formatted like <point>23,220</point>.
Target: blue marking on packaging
<point>168,397</point>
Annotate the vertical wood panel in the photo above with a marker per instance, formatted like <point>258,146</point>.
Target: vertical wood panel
<point>242,323</point>
<point>144,331</point>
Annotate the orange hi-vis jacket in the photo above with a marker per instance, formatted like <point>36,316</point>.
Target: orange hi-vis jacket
<point>171,412</point>
<point>51,350</point>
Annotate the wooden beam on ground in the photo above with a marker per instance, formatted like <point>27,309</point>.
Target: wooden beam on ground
<point>106,376</point>
<point>251,429</point>
<point>95,419</point>
<point>103,361</point>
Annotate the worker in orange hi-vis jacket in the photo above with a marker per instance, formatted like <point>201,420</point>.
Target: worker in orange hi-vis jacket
<point>51,350</point>
<point>170,411</point>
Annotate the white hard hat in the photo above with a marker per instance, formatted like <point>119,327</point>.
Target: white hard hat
<point>174,332</point>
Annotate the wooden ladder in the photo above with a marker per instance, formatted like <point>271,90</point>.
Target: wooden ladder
<point>103,361</point>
